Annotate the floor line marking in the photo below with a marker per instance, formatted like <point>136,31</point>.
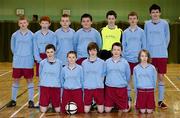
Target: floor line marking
<point>5,73</point>
<point>171,82</point>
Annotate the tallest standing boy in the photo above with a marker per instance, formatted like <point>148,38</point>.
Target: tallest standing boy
<point>158,38</point>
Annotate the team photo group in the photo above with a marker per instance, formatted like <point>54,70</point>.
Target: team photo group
<point>89,69</point>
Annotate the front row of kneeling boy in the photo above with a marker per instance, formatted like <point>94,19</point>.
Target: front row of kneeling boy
<point>104,82</point>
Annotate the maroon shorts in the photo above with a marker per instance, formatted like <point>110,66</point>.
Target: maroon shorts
<point>160,64</point>
<point>76,96</point>
<point>79,61</point>
<point>19,72</point>
<point>97,94</point>
<point>50,95</point>
<point>43,56</point>
<point>132,65</point>
<point>117,97</point>
<point>145,99</point>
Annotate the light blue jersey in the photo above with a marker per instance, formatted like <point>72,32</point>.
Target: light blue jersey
<point>144,78</point>
<point>22,49</point>
<point>158,38</point>
<point>133,42</point>
<point>82,38</point>
<point>72,78</point>
<point>117,73</point>
<point>64,43</point>
<point>40,42</point>
<point>94,73</point>
<point>49,73</point>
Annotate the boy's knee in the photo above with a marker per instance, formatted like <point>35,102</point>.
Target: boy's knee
<point>43,109</point>
<point>57,109</point>
<point>125,110</point>
<point>100,108</point>
<point>108,109</point>
<point>87,109</point>
<point>143,110</point>
<point>149,111</point>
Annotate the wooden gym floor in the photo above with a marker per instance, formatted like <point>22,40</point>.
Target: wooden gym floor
<point>172,98</point>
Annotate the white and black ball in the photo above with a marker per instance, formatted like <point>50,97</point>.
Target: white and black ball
<point>71,108</point>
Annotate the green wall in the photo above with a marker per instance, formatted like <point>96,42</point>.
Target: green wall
<point>97,8</point>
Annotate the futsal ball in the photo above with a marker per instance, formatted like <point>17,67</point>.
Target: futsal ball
<point>71,108</point>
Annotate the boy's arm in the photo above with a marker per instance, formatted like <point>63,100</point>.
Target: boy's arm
<point>154,77</point>
<point>143,39</point>
<point>62,77</point>
<point>145,29</point>
<point>167,34</point>
<point>75,41</point>
<point>58,45</point>
<point>124,44</point>
<point>103,74</point>
<point>121,37</point>
<point>146,34</point>
<point>40,70</point>
<point>99,40</point>
<point>32,44</point>
<point>82,78</point>
<point>128,72</point>
<point>55,40</point>
<point>36,50</point>
<point>104,70</point>
<point>12,43</point>
<point>135,80</point>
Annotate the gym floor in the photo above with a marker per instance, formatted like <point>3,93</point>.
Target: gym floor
<point>172,98</point>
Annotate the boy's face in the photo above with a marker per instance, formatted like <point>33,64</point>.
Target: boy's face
<point>86,23</point>
<point>23,24</point>
<point>45,25</point>
<point>93,53</point>
<point>65,22</point>
<point>72,58</point>
<point>143,57</point>
<point>116,51</point>
<point>50,53</point>
<point>133,20</point>
<point>111,20</point>
<point>155,14</point>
